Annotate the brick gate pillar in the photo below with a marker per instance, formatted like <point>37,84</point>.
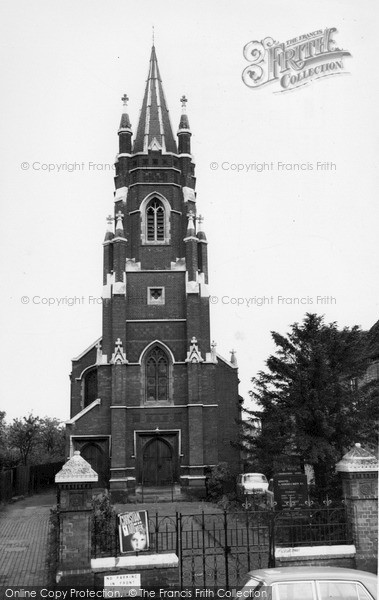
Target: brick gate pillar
<point>359,472</point>
<point>75,481</point>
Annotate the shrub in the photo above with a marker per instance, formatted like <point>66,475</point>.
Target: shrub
<point>220,482</point>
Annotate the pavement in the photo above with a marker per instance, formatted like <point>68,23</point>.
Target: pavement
<point>24,531</point>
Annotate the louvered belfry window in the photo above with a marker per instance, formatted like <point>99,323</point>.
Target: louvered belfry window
<point>155,221</point>
<point>157,376</point>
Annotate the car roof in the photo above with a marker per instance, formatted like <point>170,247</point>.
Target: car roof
<point>269,576</point>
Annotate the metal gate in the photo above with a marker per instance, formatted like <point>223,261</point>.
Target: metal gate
<point>219,549</point>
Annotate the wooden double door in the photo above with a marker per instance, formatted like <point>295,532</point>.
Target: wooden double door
<point>158,466</point>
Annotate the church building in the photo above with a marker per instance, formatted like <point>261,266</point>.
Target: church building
<point>152,403</point>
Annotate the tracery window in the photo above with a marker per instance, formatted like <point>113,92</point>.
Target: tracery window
<point>155,221</point>
<point>157,376</point>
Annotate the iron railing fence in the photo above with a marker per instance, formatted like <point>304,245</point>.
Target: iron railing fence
<point>312,527</point>
<point>217,548</point>
<point>163,535</point>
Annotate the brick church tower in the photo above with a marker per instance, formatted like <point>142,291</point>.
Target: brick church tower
<point>151,401</point>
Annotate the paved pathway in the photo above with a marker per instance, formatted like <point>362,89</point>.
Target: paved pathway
<point>24,528</point>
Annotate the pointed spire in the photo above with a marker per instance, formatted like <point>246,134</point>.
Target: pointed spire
<point>109,235</point>
<point>154,125</point>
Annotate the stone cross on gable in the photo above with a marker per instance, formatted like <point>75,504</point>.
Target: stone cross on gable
<point>194,340</point>
<point>213,350</point>
<point>99,353</point>
<point>184,101</point>
<point>191,214</point>
<point>200,219</point>
<point>119,215</point>
<point>110,219</point>
<point>125,100</point>
<point>118,343</point>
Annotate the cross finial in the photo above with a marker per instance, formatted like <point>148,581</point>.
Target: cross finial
<point>190,214</point>
<point>200,219</point>
<point>110,219</point>
<point>153,36</point>
<point>119,215</point>
<point>184,101</point>
<point>125,100</point>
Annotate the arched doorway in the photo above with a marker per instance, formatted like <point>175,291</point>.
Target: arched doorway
<point>157,467</point>
<point>95,457</point>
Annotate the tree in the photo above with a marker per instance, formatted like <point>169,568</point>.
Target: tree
<point>3,439</point>
<point>23,435</point>
<point>307,403</point>
<point>51,441</point>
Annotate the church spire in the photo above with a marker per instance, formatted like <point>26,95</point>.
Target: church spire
<point>154,130</point>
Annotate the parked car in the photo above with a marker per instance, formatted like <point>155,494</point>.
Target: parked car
<point>252,483</point>
<point>310,583</point>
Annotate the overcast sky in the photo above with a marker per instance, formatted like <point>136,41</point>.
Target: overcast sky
<point>271,233</point>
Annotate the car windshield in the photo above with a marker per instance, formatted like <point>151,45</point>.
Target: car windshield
<point>251,583</point>
<point>254,477</point>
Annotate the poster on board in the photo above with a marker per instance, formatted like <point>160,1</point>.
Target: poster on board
<point>133,531</point>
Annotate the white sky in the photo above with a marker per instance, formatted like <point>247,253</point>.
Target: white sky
<point>65,67</point>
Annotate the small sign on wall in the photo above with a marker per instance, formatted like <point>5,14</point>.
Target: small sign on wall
<point>126,585</point>
<point>134,531</point>
<point>290,490</point>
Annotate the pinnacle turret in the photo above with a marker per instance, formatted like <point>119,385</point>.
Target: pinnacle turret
<point>184,133</point>
<point>200,231</point>
<point>125,121</point>
<point>109,235</point>
<point>125,129</point>
<point>191,225</point>
<point>119,225</point>
<point>184,122</point>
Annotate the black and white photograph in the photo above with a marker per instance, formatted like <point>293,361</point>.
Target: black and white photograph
<point>190,321</point>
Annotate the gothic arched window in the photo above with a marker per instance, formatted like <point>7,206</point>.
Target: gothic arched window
<point>157,376</point>
<point>90,387</point>
<point>155,221</point>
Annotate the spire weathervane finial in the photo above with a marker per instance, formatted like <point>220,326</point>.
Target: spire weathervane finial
<point>125,100</point>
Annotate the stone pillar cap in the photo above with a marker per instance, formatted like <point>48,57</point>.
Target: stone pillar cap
<point>76,470</point>
<point>357,460</point>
